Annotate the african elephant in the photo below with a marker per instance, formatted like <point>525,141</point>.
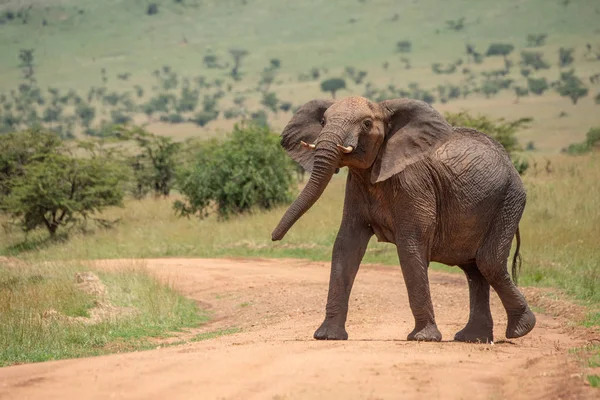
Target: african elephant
<point>439,193</point>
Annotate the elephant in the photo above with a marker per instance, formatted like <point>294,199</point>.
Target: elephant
<point>438,192</point>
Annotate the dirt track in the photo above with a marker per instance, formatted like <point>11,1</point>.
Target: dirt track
<point>278,304</point>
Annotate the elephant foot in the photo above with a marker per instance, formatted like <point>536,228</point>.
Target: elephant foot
<point>330,331</point>
<point>472,334</point>
<point>520,324</point>
<point>429,333</point>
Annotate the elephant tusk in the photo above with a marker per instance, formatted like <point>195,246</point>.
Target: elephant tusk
<point>308,146</point>
<point>345,149</point>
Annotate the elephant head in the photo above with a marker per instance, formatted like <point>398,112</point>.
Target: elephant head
<point>324,135</point>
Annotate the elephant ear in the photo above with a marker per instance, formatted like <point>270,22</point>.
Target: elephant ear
<point>414,130</point>
<point>304,126</point>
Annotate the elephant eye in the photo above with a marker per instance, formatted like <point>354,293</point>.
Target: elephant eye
<point>368,124</point>
<point>322,121</point>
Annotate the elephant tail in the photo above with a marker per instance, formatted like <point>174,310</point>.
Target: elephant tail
<point>517,260</point>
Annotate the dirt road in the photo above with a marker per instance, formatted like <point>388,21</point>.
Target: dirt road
<point>278,304</point>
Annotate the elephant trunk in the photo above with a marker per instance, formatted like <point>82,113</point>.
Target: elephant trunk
<point>327,158</point>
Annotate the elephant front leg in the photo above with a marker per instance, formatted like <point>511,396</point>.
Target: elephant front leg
<point>348,251</point>
<point>414,269</point>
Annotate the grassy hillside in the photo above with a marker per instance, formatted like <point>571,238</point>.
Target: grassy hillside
<point>74,40</point>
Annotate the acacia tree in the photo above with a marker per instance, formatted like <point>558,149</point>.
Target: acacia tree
<point>500,49</point>
<point>238,55</point>
<point>54,188</point>
<point>333,85</point>
<point>571,86</point>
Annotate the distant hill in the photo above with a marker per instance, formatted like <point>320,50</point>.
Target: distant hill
<point>74,40</point>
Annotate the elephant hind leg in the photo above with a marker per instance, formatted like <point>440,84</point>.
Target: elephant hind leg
<point>479,329</point>
<point>492,260</point>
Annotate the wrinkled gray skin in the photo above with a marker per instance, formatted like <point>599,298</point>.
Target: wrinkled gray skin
<point>439,193</point>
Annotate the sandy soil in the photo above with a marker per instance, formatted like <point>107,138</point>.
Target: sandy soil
<point>278,304</point>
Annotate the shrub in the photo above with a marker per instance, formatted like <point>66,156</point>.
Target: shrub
<point>59,189</point>
<point>154,166</point>
<point>404,46</point>
<point>534,59</point>
<point>204,117</point>
<point>152,9</point>
<point>591,142</point>
<point>565,56</point>
<point>500,49</point>
<point>536,40</point>
<point>248,169</point>
<point>537,86</point>
<point>571,86</point>
<point>501,130</point>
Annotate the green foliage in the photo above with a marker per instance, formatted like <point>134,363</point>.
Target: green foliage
<point>591,142</point>
<point>356,76</point>
<point>154,167</point>
<point>565,56</point>
<point>333,85</point>
<point>238,55</point>
<point>499,49</point>
<point>202,118</point>
<point>404,46</point>
<point>17,150</point>
<point>86,114</point>
<point>501,130</point>
<point>248,169</point>
<point>152,9</point>
<point>439,69</point>
<point>537,86</point>
<point>270,101</point>
<point>536,40</point>
<point>571,86</point>
<point>534,59</point>
<point>56,189</point>
<point>456,25</point>
<point>521,92</point>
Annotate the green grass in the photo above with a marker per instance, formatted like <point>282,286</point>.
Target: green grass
<point>594,380</point>
<point>589,357</point>
<point>214,334</point>
<point>29,291</point>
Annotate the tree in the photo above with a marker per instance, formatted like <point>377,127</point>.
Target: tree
<point>520,92</point>
<point>404,46</point>
<point>238,55</point>
<point>565,56</point>
<point>571,86</point>
<point>248,169</point>
<point>270,101</point>
<point>86,114</point>
<point>26,57</point>
<point>152,9</point>
<point>154,167</point>
<point>537,86</point>
<point>56,189</point>
<point>534,59</point>
<point>500,49</point>
<point>332,85</point>
<point>536,40</point>
<point>356,76</point>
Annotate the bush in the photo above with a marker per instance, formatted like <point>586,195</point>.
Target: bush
<point>152,9</point>
<point>249,169</point>
<point>534,59</point>
<point>501,130</point>
<point>204,117</point>
<point>537,86</point>
<point>591,142</point>
<point>154,166</point>
<point>56,189</point>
